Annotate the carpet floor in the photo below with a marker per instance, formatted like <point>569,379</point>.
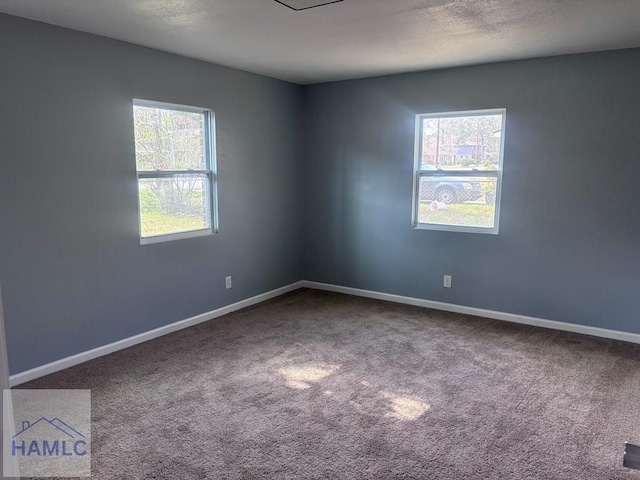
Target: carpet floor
<point>316,385</point>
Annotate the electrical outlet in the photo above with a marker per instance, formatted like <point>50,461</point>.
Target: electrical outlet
<point>228,282</point>
<point>447,281</point>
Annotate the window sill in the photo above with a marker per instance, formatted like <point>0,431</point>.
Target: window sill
<point>175,236</point>
<point>456,228</point>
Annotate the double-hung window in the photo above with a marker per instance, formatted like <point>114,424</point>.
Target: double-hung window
<point>176,170</point>
<point>458,171</point>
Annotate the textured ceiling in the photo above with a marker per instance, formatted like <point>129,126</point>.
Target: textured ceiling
<point>352,38</point>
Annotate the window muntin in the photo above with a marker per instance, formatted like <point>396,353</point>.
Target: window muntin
<point>174,161</point>
<point>458,171</point>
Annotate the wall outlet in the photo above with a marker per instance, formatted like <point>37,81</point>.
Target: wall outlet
<point>227,282</point>
<point>447,281</point>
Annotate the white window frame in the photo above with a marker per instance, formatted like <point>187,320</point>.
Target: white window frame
<point>418,173</point>
<point>210,172</point>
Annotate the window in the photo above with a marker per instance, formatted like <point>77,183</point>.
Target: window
<point>176,174</point>
<point>458,171</point>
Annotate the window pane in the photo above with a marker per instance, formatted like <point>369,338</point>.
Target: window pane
<point>173,204</point>
<point>461,143</point>
<point>169,139</point>
<point>457,200</point>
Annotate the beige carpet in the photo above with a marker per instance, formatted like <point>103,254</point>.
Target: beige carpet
<point>315,385</point>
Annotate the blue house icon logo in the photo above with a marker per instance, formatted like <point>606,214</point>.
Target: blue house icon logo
<point>48,438</point>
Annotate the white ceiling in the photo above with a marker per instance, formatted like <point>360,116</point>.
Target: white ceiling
<point>352,38</point>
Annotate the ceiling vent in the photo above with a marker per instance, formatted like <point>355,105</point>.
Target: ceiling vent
<point>306,4</point>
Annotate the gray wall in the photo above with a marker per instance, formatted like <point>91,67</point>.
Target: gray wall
<point>315,183</point>
<point>73,273</point>
<point>570,223</point>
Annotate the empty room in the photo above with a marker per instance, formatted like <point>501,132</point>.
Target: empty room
<point>314,239</point>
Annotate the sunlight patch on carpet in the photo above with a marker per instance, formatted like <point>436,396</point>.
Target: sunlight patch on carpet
<point>301,378</point>
<point>406,408</point>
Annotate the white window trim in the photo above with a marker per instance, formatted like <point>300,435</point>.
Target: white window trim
<point>175,236</point>
<point>418,173</point>
<point>210,172</point>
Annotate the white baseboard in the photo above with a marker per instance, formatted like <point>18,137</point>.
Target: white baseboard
<point>67,362</point>
<point>479,312</point>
